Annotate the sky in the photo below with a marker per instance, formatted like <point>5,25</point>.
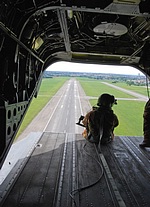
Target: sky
<point>92,68</point>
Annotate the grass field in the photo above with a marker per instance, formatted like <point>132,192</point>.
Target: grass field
<point>130,113</point>
<point>138,89</point>
<point>48,89</point>
<point>94,88</point>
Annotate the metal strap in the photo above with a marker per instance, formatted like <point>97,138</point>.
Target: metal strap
<point>113,184</point>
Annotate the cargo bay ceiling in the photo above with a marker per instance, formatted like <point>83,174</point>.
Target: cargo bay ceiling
<point>35,34</point>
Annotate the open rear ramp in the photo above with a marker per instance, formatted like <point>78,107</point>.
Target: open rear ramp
<point>65,170</point>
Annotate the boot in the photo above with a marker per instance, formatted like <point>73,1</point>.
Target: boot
<point>146,141</point>
<point>144,144</point>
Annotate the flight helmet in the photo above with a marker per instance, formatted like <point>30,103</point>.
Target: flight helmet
<point>106,100</point>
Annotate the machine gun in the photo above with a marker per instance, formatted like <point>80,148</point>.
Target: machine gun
<point>80,119</point>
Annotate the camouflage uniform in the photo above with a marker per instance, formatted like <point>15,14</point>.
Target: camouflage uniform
<point>102,117</point>
<point>146,126</point>
<point>101,121</point>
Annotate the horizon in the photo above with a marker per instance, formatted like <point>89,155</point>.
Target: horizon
<point>91,72</point>
<point>86,68</point>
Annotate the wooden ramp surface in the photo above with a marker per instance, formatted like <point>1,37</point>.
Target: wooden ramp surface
<point>65,170</point>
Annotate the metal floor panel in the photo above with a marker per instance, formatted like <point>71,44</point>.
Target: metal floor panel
<point>130,167</point>
<point>65,170</point>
